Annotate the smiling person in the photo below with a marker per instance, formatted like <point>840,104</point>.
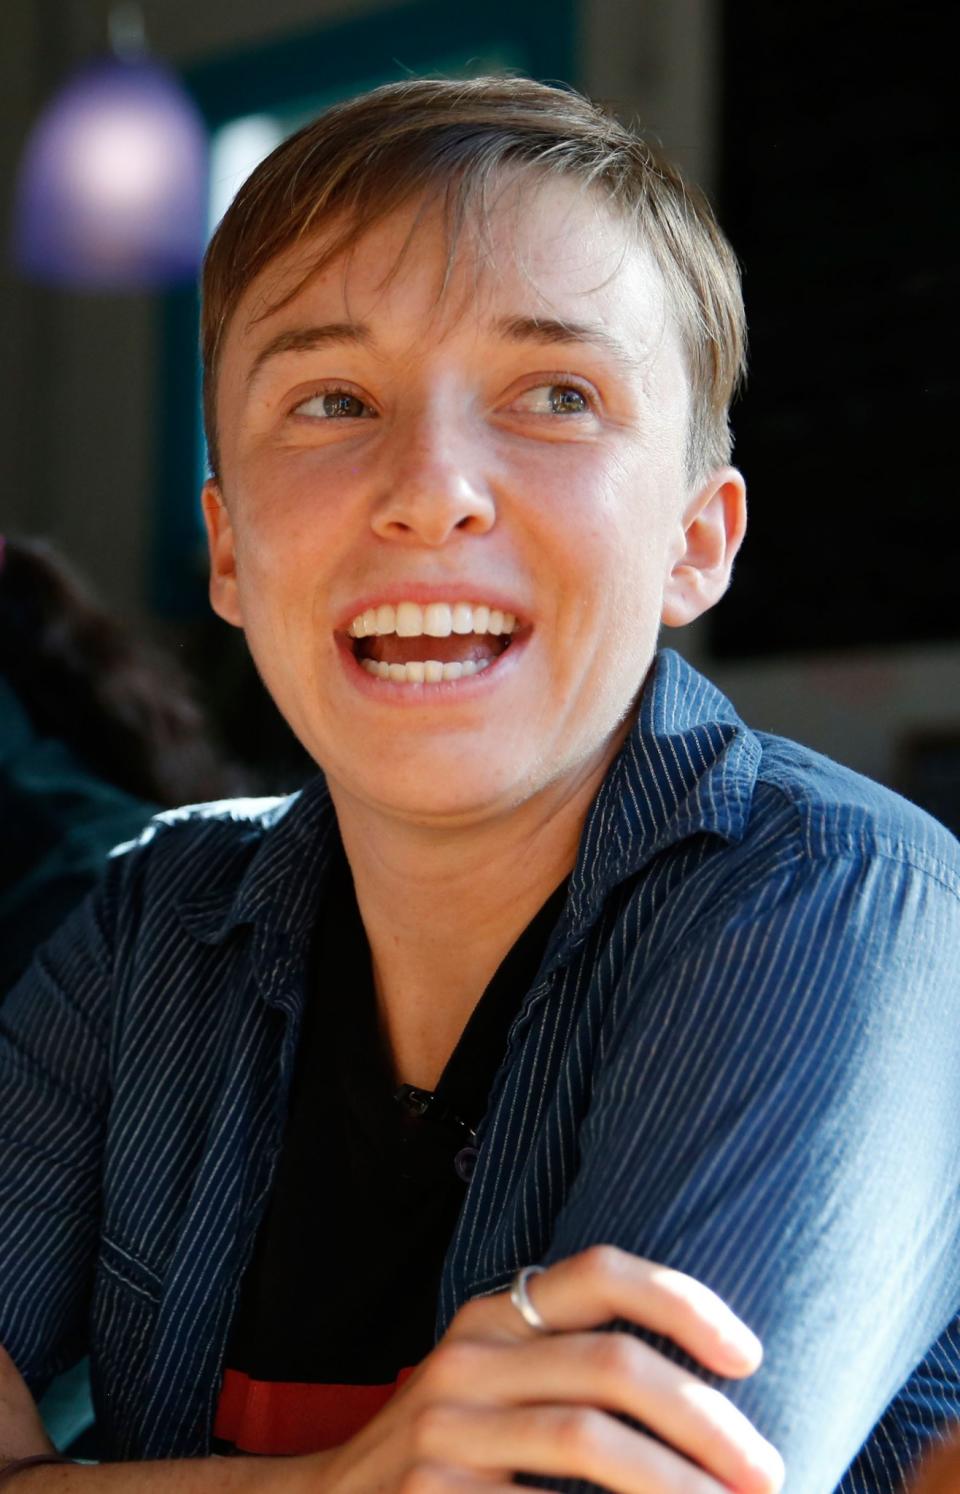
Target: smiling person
<point>451,1119</point>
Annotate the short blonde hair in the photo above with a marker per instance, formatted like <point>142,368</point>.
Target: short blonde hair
<point>448,140</point>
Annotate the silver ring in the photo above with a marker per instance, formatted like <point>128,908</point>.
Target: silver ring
<point>520,1298</point>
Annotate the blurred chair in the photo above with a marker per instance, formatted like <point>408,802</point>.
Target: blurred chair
<point>98,730</point>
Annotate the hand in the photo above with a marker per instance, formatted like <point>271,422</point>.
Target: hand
<point>495,1397</point>
<point>940,1469</point>
<point>22,1432</point>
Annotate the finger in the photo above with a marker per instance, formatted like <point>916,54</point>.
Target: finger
<point>604,1283</point>
<point>568,1442</point>
<point>22,1433</point>
<point>613,1372</point>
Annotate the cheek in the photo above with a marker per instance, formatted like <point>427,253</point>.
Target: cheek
<point>618,566</point>
<point>281,533</point>
<point>613,550</point>
<point>277,585</point>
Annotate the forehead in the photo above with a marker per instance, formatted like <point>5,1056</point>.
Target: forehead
<point>545,248</point>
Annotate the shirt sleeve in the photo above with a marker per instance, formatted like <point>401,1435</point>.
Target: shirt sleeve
<point>778,1114</point>
<point>54,1096</point>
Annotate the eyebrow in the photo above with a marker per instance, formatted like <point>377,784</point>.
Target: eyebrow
<point>308,339</point>
<point>549,330</point>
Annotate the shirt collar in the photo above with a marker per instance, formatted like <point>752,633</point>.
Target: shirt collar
<point>283,877</point>
<point>687,767</point>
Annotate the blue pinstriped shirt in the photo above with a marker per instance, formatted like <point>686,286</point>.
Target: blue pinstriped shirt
<point>741,1056</point>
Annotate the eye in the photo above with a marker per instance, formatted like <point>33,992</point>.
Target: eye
<point>554,399</point>
<point>334,404</point>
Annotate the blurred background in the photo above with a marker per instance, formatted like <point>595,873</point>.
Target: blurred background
<point>824,131</point>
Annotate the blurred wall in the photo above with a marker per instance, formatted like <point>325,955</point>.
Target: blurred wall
<point>76,393</point>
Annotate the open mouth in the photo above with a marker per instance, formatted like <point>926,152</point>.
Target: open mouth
<point>412,644</point>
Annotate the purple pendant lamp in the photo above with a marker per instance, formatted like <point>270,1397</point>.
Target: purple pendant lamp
<point>112,191</point>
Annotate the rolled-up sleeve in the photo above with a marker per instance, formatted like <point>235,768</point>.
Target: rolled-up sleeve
<point>778,1114</point>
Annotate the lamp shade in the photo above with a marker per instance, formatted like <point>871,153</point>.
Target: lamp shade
<point>113,182</point>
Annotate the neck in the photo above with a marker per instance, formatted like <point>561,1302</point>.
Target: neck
<point>442,906</point>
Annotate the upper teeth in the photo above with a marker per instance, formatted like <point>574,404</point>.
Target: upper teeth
<point>436,619</point>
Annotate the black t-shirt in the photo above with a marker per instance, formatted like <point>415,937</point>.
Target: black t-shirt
<point>340,1296</point>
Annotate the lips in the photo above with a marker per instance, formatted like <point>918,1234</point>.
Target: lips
<point>416,644</point>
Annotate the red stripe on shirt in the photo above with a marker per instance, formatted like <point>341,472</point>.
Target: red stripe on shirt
<point>288,1416</point>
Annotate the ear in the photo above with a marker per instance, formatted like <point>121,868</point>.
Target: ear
<point>713,525</point>
<point>224,597</point>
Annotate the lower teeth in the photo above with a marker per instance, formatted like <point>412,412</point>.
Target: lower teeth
<point>426,672</point>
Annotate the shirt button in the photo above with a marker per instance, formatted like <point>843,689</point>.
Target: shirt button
<point>464,1163</point>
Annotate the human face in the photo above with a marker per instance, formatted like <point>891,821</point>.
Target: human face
<point>516,444</point>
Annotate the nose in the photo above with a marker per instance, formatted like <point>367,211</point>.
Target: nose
<point>433,487</point>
